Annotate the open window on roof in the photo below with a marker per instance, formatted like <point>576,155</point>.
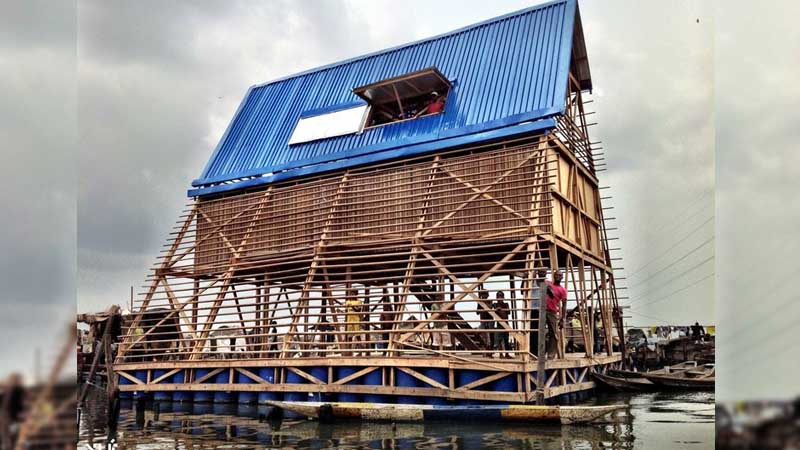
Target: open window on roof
<point>410,96</point>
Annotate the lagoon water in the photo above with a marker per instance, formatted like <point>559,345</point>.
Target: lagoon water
<point>652,421</point>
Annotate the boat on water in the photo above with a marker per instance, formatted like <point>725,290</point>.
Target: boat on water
<point>683,376</point>
<point>619,373</point>
<point>626,384</point>
<point>380,412</point>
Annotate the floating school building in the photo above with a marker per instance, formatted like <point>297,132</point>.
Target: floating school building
<point>352,232</point>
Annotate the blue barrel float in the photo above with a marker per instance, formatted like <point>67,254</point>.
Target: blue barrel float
<point>374,378</point>
<point>161,396</point>
<point>440,376</point>
<point>344,372</point>
<point>140,375</point>
<point>126,395</point>
<point>223,396</point>
<point>202,396</point>
<point>248,410</point>
<point>320,373</point>
<point>184,407</point>
<point>245,397</point>
<point>268,374</point>
<point>181,396</point>
<point>200,408</point>
<point>506,384</point>
<point>293,378</point>
<point>405,380</point>
<point>224,409</point>
<point>465,377</point>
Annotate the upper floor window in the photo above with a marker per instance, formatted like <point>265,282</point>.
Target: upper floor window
<point>417,94</point>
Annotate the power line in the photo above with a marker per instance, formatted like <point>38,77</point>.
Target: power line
<point>777,277</point>
<point>677,276</point>
<point>759,330</point>
<point>630,275</point>
<point>675,292</point>
<point>779,351</point>
<point>750,324</point>
<point>686,255</point>
<point>652,317</point>
<point>783,330</point>
<point>677,223</point>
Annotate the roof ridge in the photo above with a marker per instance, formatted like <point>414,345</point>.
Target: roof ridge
<point>417,42</point>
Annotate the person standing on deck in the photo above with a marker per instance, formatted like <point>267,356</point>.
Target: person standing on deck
<point>501,335</point>
<point>598,324</point>
<point>386,322</point>
<point>486,320</point>
<point>556,294</point>
<point>273,340</point>
<point>353,318</point>
<point>698,331</point>
<point>441,339</point>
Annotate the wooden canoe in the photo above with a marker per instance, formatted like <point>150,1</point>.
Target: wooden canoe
<point>379,412</point>
<point>683,377</point>
<point>680,381</point>
<point>625,384</point>
<point>619,373</point>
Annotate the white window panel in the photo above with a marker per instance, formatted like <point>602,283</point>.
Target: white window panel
<point>337,123</point>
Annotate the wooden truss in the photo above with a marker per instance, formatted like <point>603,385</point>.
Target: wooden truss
<point>388,266</point>
<point>562,376</point>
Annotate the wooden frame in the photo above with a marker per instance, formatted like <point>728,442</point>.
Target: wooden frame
<point>374,264</point>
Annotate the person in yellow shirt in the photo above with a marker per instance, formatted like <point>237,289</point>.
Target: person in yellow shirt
<point>353,309</point>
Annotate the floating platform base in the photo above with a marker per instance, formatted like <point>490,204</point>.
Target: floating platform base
<point>384,412</point>
<point>405,380</point>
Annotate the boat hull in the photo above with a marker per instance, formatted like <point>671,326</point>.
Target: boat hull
<point>681,382</point>
<point>625,384</point>
<point>380,412</point>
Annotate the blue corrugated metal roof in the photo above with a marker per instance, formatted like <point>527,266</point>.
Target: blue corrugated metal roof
<point>505,72</point>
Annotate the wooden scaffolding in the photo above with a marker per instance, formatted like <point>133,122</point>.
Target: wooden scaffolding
<point>394,267</point>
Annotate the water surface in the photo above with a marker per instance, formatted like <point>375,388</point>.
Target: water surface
<point>652,421</point>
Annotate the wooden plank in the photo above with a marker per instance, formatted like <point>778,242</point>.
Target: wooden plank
<point>357,374</point>
<point>305,375</point>
<point>129,377</point>
<point>422,377</point>
<point>252,375</point>
<point>483,381</point>
<point>165,376</point>
<point>209,375</point>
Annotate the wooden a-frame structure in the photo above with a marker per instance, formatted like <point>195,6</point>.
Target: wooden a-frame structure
<point>381,269</point>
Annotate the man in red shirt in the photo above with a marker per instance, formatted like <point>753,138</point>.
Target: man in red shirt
<point>555,295</point>
<point>434,107</point>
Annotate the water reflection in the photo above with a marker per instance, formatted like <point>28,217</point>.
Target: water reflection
<point>652,421</point>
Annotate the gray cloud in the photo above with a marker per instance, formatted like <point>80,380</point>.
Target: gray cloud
<point>37,131</point>
<point>757,171</point>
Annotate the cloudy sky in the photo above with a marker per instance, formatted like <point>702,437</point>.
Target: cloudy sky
<point>111,108</point>
<point>37,136</point>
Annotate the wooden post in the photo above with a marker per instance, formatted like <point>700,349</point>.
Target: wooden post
<point>542,355</point>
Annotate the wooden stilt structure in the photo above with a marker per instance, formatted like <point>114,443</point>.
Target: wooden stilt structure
<point>391,267</point>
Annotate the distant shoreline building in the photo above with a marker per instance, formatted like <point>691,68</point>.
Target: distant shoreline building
<point>352,232</point>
